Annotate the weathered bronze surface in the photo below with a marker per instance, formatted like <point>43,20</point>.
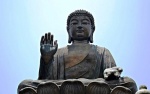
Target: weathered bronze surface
<point>78,68</point>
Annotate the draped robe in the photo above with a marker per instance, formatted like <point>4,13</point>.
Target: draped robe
<point>77,61</point>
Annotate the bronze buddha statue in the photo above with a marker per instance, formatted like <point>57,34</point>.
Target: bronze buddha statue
<point>80,59</point>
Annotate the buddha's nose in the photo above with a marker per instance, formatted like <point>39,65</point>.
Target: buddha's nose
<point>80,27</point>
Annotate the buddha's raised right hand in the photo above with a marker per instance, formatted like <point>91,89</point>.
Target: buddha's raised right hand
<point>48,47</point>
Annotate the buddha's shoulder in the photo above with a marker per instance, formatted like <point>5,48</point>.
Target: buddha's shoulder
<point>62,51</point>
<point>101,49</point>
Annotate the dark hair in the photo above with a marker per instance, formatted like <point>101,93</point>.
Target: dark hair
<point>81,12</point>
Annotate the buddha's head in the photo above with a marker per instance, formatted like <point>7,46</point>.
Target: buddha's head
<point>80,26</point>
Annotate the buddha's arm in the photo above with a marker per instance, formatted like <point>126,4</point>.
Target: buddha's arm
<point>48,49</point>
<point>45,69</point>
<point>108,59</point>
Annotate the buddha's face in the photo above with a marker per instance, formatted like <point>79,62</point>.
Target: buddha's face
<point>80,28</point>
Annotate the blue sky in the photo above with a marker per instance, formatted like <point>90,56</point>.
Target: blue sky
<point>122,26</point>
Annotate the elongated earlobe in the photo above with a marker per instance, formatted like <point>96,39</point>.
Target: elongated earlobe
<point>91,38</point>
<point>69,39</point>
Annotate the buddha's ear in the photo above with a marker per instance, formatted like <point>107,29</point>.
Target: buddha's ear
<point>91,38</point>
<point>69,39</point>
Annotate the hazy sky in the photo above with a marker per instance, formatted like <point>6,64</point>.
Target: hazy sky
<point>122,26</point>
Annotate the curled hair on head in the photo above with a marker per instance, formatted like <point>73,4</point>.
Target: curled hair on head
<point>82,13</point>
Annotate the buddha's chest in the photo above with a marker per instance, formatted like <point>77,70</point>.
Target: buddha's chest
<point>78,54</point>
<point>80,62</point>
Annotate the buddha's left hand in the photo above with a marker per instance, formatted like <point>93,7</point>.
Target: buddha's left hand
<point>112,73</point>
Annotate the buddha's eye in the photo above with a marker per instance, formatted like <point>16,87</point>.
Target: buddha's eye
<point>74,23</point>
<point>85,23</point>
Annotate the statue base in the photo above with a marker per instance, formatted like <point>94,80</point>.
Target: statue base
<point>78,86</point>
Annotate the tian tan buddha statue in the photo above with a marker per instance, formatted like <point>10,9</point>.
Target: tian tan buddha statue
<point>78,68</point>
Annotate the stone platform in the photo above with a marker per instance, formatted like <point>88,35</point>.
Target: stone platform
<point>76,86</point>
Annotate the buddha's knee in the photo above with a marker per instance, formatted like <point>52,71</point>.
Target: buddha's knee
<point>27,90</point>
<point>130,83</point>
<point>121,90</point>
<point>124,81</point>
<point>25,84</point>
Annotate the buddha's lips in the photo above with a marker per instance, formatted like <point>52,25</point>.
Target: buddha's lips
<point>79,31</point>
<point>80,34</point>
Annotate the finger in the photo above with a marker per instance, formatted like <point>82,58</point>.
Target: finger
<point>42,40</point>
<point>45,40</point>
<point>55,44</point>
<point>49,37</point>
<point>52,39</point>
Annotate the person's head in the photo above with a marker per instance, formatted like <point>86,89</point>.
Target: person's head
<point>80,26</point>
